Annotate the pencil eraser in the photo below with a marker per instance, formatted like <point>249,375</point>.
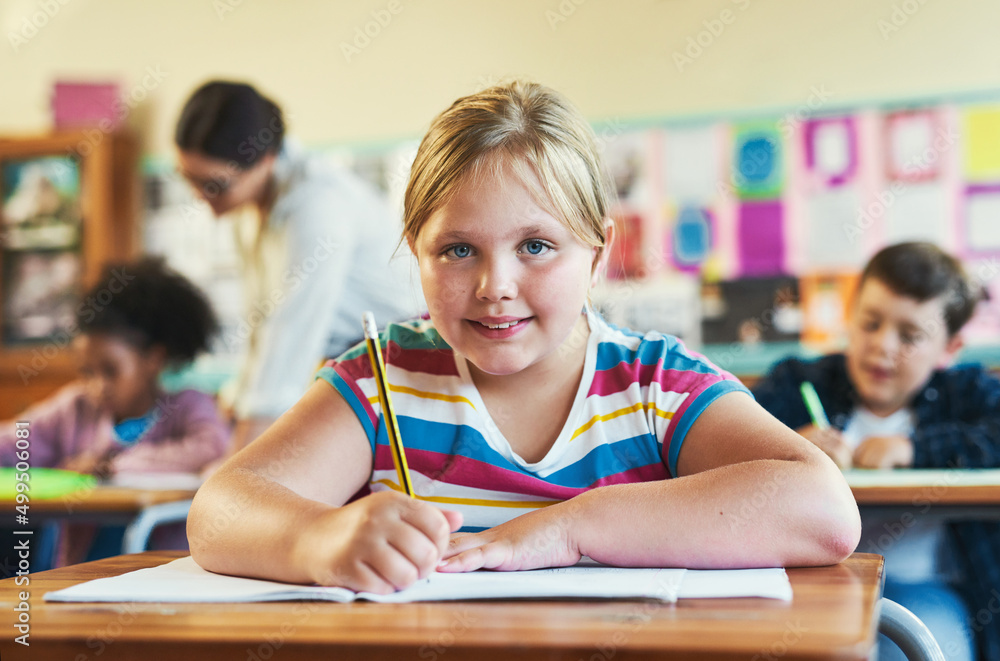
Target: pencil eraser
<point>371,330</point>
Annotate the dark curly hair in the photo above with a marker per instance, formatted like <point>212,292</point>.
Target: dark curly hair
<point>146,303</point>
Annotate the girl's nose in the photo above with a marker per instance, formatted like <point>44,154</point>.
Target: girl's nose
<point>497,281</point>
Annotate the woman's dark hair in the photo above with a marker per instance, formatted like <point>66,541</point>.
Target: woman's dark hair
<point>232,122</point>
<point>146,303</point>
<point>923,271</point>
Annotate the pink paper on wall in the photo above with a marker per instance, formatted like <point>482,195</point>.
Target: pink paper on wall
<point>760,237</point>
<point>831,149</point>
<point>85,104</point>
<point>911,154</point>
<point>981,214</point>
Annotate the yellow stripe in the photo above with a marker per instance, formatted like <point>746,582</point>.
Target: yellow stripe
<point>480,502</point>
<point>625,411</point>
<point>425,395</point>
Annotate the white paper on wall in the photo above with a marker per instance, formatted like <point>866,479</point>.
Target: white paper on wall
<point>832,236</point>
<point>910,137</point>
<point>693,168</point>
<point>832,143</point>
<point>918,212</point>
<point>982,221</point>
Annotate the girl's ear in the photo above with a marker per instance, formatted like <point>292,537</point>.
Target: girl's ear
<point>410,242</point>
<point>266,163</point>
<point>601,255</point>
<point>155,359</point>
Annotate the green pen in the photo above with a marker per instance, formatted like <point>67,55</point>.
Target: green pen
<point>814,406</point>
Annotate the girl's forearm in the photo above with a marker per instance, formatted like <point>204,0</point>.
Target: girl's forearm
<point>761,513</point>
<point>242,523</point>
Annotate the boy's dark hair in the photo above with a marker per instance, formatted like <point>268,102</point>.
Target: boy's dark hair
<point>230,121</point>
<point>922,271</point>
<point>146,303</point>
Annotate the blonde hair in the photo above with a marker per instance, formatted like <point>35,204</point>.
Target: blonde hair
<point>529,128</point>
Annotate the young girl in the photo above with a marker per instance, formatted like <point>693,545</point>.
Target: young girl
<point>138,319</point>
<point>549,433</point>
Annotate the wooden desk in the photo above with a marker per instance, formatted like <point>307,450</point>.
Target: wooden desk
<point>834,614</point>
<point>947,494</point>
<point>102,504</point>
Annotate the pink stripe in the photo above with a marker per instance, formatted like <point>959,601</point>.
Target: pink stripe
<point>427,361</point>
<point>466,472</point>
<point>354,369</point>
<point>647,473</point>
<point>685,381</point>
<point>413,360</point>
<point>620,377</point>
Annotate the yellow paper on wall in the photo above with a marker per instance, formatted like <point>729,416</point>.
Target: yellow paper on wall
<point>982,153</point>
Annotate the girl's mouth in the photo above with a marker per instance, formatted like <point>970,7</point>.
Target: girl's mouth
<point>499,328</point>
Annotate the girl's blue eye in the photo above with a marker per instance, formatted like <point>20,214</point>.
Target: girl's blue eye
<point>459,251</point>
<point>535,247</point>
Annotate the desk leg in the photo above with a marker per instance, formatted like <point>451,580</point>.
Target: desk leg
<point>48,549</point>
<point>137,533</point>
<point>908,632</point>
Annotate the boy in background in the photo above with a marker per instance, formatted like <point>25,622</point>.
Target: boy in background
<point>893,401</point>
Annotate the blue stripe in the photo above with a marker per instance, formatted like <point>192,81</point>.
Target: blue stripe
<point>608,459</point>
<point>650,352</point>
<point>330,375</point>
<point>443,437</point>
<point>451,440</point>
<point>707,396</point>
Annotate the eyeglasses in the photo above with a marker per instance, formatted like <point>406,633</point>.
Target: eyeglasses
<point>211,186</point>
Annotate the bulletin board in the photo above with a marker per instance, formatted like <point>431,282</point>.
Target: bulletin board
<point>814,196</point>
<point>808,195</point>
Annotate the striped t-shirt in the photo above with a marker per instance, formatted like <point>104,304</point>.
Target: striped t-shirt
<point>638,397</point>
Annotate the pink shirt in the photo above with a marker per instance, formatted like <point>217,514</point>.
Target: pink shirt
<point>188,434</point>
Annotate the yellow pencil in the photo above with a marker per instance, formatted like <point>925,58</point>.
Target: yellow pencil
<point>388,414</point>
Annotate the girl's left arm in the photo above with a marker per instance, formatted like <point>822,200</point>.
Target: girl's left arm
<point>750,492</point>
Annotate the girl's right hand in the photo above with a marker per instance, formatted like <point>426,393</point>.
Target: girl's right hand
<point>830,441</point>
<point>97,464</point>
<point>381,543</point>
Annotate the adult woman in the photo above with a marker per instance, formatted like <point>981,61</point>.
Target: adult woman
<point>316,245</point>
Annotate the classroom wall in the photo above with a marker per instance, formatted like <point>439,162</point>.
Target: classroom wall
<point>619,61</point>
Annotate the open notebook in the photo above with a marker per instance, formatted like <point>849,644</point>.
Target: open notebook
<point>184,581</point>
